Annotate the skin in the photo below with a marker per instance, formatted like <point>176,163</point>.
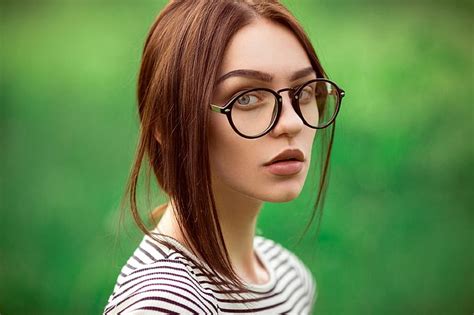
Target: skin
<point>241,184</point>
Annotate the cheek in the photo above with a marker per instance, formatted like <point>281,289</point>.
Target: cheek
<point>224,144</point>
<point>231,156</point>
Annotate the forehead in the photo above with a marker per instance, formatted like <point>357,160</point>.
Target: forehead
<point>265,46</point>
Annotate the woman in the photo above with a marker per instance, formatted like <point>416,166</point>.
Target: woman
<point>231,96</point>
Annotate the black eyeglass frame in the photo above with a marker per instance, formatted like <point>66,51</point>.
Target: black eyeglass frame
<point>293,92</point>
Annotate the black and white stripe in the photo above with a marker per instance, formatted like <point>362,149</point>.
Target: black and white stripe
<point>159,280</point>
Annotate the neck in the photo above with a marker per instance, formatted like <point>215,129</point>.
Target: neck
<point>238,217</point>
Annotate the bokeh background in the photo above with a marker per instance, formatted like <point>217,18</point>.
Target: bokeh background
<point>397,231</point>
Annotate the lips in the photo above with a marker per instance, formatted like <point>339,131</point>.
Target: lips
<point>287,155</point>
<point>287,163</point>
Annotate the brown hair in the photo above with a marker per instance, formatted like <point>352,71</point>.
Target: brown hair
<point>180,62</point>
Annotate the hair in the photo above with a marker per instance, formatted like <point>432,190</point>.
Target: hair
<point>180,62</point>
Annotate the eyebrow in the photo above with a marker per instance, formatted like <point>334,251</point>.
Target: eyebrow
<point>263,76</point>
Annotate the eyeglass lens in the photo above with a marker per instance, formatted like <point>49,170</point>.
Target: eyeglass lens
<point>255,111</point>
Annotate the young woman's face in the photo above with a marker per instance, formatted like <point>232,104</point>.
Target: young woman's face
<point>237,163</point>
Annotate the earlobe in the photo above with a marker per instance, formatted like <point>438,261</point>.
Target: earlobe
<point>157,136</point>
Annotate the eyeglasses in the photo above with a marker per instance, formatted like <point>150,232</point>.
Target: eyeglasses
<point>254,112</point>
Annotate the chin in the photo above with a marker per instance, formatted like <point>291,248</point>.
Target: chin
<point>283,195</point>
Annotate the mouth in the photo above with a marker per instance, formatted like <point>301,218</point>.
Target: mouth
<point>287,155</point>
<point>288,162</point>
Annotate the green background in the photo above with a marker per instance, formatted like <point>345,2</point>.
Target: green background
<point>397,231</point>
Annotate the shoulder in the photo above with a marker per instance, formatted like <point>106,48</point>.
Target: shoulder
<point>157,279</point>
<point>275,251</point>
<point>282,258</point>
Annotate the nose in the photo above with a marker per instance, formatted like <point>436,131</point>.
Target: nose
<point>289,123</point>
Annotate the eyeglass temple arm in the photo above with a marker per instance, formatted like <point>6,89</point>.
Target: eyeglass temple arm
<point>218,109</point>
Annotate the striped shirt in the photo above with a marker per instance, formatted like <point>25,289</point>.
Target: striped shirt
<point>157,279</point>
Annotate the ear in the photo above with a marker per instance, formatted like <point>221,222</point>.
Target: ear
<point>157,136</point>
<point>158,212</point>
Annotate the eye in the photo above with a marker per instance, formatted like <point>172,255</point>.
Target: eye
<point>247,99</point>
<point>306,94</point>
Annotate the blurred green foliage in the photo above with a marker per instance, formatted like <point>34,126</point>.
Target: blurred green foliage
<point>397,231</point>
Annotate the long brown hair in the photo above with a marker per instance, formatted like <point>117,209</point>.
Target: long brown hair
<point>180,62</point>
